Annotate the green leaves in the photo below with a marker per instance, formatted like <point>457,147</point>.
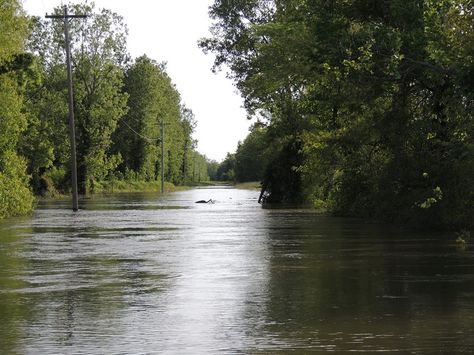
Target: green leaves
<point>13,29</point>
<point>153,100</point>
<point>252,156</point>
<point>358,86</point>
<point>12,120</point>
<point>430,201</point>
<point>99,55</point>
<point>15,196</point>
<point>116,105</point>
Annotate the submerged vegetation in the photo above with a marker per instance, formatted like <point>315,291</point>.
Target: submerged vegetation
<point>364,108</point>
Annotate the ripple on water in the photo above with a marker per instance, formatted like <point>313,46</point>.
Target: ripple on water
<point>145,273</point>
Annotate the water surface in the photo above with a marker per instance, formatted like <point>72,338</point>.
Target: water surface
<point>145,273</point>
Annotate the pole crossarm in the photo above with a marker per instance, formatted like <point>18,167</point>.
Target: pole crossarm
<point>65,16</point>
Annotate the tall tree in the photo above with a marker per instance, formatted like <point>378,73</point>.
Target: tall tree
<point>369,101</point>
<point>252,155</point>
<point>153,100</point>
<point>15,196</point>
<point>188,122</point>
<point>99,55</point>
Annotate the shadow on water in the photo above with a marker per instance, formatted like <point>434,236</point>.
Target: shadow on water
<point>351,286</point>
<point>147,273</point>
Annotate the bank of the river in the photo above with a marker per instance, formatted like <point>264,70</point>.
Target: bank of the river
<point>252,185</point>
<point>104,188</point>
<point>120,186</point>
<point>128,186</point>
<point>115,186</point>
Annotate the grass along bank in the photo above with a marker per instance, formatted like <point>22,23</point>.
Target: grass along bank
<point>118,186</point>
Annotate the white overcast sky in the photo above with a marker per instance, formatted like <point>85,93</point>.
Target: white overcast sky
<point>168,30</point>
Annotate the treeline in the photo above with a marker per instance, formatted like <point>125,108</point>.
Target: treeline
<point>119,107</point>
<point>364,107</point>
<point>250,160</point>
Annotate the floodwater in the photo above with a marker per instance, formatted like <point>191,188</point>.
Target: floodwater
<point>146,274</point>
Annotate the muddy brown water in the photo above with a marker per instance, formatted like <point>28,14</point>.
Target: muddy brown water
<point>146,274</point>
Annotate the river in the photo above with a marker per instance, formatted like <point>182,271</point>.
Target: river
<point>146,273</point>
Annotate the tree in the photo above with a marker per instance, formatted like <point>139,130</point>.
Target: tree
<point>45,142</point>
<point>98,46</point>
<point>365,101</point>
<point>226,169</point>
<point>153,100</point>
<point>212,167</point>
<point>15,196</point>
<point>199,168</point>
<point>138,135</point>
<point>188,122</point>
<point>252,156</point>
<point>99,61</point>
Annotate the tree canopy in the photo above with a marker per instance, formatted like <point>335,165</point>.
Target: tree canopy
<point>119,104</point>
<point>15,196</point>
<point>368,104</point>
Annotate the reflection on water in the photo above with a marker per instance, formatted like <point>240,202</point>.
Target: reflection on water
<point>143,273</point>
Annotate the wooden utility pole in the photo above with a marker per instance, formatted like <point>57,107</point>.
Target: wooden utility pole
<point>162,157</point>
<point>72,132</point>
<point>194,167</point>
<point>185,162</point>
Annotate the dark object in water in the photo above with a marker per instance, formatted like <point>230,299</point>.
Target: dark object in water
<point>204,201</point>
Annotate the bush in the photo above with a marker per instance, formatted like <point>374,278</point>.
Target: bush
<point>15,196</point>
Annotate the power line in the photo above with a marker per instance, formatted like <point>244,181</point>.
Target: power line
<point>162,140</point>
<point>152,140</point>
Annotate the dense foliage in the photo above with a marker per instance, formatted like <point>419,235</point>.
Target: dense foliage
<point>250,161</point>
<point>15,196</point>
<point>368,105</point>
<point>119,105</point>
<point>154,101</point>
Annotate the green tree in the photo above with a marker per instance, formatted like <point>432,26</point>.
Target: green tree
<point>252,155</point>
<point>15,196</point>
<point>226,169</point>
<point>100,56</point>
<point>154,100</point>
<point>98,46</point>
<point>45,142</point>
<point>368,103</point>
<point>137,138</point>
<point>188,122</point>
<point>212,167</point>
<point>199,168</point>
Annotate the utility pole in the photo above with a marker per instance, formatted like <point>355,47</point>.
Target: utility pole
<point>194,167</point>
<point>162,157</point>
<point>72,132</point>
<point>185,162</point>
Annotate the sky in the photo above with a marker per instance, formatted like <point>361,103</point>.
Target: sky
<point>168,30</point>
